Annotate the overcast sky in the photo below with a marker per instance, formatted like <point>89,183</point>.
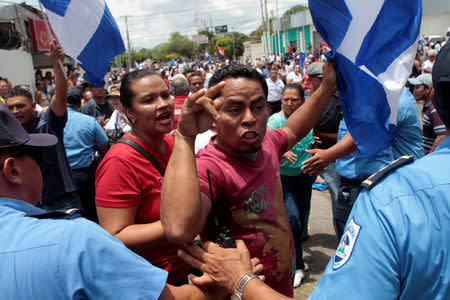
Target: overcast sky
<point>150,22</point>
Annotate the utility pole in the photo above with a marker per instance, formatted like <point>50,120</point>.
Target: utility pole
<point>232,38</point>
<point>128,42</point>
<point>269,48</point>
<point>278,32</point>
<point>262,25</point>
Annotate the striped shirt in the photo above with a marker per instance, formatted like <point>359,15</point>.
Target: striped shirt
<point>432,126</point>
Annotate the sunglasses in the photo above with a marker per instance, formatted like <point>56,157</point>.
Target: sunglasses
<point>35,153</point>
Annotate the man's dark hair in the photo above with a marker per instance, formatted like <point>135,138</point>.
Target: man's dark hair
<point>84,86</point>
<point>273,69</point>
<point>20,91</point>
<point>296,86</point>
<point>179,86</point>
<point>238,71</point>
<point>126,94</point>
<point>196,73</point>
<point>443,109</point>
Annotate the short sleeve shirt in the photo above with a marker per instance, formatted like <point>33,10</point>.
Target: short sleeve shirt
<point>277,121</point>
<point>68,259</point>
<point>248,199</point>
<point>295,78</point>
<point>125,178</point>
<point>81,134</point>
<point>432,126</point>
<point>396,241</point>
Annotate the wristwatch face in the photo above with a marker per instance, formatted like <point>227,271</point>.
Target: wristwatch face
<point>235,296</point>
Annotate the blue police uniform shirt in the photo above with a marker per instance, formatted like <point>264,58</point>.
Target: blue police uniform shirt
<point>408,138</point>
<point>356,165</point>
<point>408,141</point>
<point>68,259</point>
<point>81,134</point>
<point>56,174</point>
<point>397,240</point>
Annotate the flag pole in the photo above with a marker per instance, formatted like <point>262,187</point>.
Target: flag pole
<point>51,36</point>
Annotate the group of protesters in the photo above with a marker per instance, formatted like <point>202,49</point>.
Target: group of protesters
<point>225,153</point>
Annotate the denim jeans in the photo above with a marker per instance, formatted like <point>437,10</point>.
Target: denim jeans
<point>333,181</point>
<point>85,180</point>
<point>297,192</point>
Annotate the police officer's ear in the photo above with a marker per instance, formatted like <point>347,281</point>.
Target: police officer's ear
<point>11,171</point>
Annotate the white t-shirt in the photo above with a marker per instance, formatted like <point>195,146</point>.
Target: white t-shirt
<point>427,65</point>
<point>295,78</point>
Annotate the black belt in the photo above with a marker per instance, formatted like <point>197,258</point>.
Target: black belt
<point>351,182</point>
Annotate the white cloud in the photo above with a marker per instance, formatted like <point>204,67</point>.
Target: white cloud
<point>151,22</point>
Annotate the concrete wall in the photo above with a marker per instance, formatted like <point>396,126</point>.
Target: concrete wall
<point>17,66</point>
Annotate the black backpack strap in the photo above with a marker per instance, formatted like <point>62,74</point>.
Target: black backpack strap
<point>144,153</point>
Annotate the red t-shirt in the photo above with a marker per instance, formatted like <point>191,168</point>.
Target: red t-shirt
<point>249,201</point>
<point>125,178</point>
<point>177,103</point>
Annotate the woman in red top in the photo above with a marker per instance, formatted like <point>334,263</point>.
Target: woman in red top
<point>128,186</point>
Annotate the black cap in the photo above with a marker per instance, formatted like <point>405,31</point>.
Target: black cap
<point>12,134</point>
<point>74,95</point>
<point>441,76</point>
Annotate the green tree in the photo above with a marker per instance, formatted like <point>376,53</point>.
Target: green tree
<point>295,9</point>
<point>227,43</point>
<point>177,46</point>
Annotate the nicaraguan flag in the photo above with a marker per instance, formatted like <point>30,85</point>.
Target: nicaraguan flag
<point>88,32</point>
<point>374,42</point>
<point>207,56</point>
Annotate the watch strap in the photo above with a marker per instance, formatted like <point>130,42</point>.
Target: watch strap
<point>242,283</point>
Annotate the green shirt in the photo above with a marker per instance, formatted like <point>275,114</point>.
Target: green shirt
<point>277,121</point>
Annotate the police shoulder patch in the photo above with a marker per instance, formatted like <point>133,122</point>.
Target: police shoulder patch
<point>383,172</point>
<point>346,245</point>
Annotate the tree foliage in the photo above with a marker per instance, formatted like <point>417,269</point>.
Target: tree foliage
<point>295,9</point>
<point>178,46</point>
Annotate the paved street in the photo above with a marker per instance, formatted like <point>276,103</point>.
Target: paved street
<point>318,249</point>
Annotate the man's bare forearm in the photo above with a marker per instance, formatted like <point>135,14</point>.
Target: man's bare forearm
<point>181,204</point>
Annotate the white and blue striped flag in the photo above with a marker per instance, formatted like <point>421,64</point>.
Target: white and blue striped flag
<point>207,56</point>
<point>88,32</point>
<point>374,42</point>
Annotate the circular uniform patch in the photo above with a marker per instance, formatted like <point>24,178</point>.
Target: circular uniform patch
<point>345,248</point>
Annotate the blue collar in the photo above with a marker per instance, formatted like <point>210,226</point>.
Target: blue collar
<point>19,205</point>
<point>445,143</point>
<point>71,109</point>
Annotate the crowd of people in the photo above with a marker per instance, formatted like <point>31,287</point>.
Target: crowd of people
<point>225,154</point>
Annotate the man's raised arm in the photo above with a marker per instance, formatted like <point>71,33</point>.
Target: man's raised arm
<point>184,209</point>
<point>58,102</point>
<point>305,118</point>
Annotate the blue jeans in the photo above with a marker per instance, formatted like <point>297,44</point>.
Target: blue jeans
<point>65,202</point>
<point>297,192</point>
<point>346,198</point>
<point>333,181</point>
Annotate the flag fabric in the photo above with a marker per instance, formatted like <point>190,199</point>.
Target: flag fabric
<point>136,65</point>
<point>88,33</point>
<point>221,51</point>
<point>174,63</point>
<point>207,56</point>
<point>374,43</point>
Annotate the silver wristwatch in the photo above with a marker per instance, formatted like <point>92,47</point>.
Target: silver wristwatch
<point>237,295</point>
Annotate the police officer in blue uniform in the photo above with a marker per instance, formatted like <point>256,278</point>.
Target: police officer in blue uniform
<point>353,167</point>
<point>396,241</point>
<point>57,254</point>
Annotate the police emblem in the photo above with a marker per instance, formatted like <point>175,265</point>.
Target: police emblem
<point>345,248</point>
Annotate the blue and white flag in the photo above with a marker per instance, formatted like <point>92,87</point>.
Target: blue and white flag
<point>87,32</point>
<point>136,65</point>
<point>174,63</point>
<point>207,56</point>
<point>374,42</point>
